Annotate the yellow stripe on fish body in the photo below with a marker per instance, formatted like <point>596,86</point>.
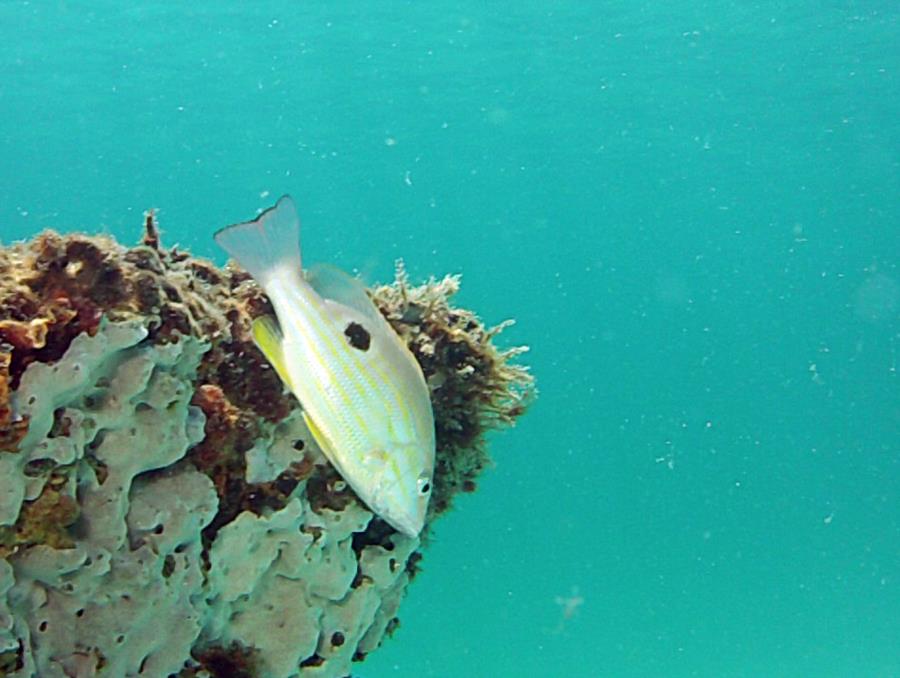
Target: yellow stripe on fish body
<point>363,393</point>
<point>363,420</point>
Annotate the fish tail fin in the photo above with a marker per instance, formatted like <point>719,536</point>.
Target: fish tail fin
<point>267,244</point>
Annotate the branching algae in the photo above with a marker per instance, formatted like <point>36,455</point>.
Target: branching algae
<point>164,508</point>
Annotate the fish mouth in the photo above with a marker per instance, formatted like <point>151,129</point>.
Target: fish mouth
<point>405,525</point>
<point>406,522</point>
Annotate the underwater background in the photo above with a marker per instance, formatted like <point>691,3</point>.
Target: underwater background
<point>692,209</point>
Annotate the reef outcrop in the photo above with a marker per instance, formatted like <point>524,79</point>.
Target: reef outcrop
<point>164,511</point>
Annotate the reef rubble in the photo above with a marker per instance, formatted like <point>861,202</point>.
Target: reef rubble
<point>164,510</point>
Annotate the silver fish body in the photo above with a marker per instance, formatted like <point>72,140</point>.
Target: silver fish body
<point>362,391</point>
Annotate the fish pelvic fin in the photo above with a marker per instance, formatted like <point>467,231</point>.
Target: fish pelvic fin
<point>267,244</point>
<point>267,336</point>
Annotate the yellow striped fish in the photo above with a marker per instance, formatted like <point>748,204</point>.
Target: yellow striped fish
<point>363,393</point>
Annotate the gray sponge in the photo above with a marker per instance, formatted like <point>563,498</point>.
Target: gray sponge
<point>137,590</point>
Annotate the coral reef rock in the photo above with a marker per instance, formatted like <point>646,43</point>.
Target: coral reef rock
<point>164,511</point>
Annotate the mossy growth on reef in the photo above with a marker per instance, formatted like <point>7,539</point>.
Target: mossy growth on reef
<point>163,507</point>
<point>474,385</point>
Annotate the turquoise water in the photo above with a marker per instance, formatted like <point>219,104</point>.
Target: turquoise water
<point>692,209</point>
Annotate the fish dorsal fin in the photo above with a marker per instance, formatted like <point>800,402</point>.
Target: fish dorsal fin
<point>333,284</point>
<point>268,337</point>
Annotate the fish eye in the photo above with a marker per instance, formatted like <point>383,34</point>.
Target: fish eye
<point>424,485</point>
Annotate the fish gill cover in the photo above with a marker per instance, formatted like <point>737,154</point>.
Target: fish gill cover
<point>164,510</point>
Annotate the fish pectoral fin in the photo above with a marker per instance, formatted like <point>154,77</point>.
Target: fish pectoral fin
<point>268,337</point>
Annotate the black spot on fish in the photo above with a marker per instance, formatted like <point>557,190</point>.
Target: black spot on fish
<point>358,336</point>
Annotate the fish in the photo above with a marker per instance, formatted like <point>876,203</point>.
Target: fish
<point>362,392</point>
